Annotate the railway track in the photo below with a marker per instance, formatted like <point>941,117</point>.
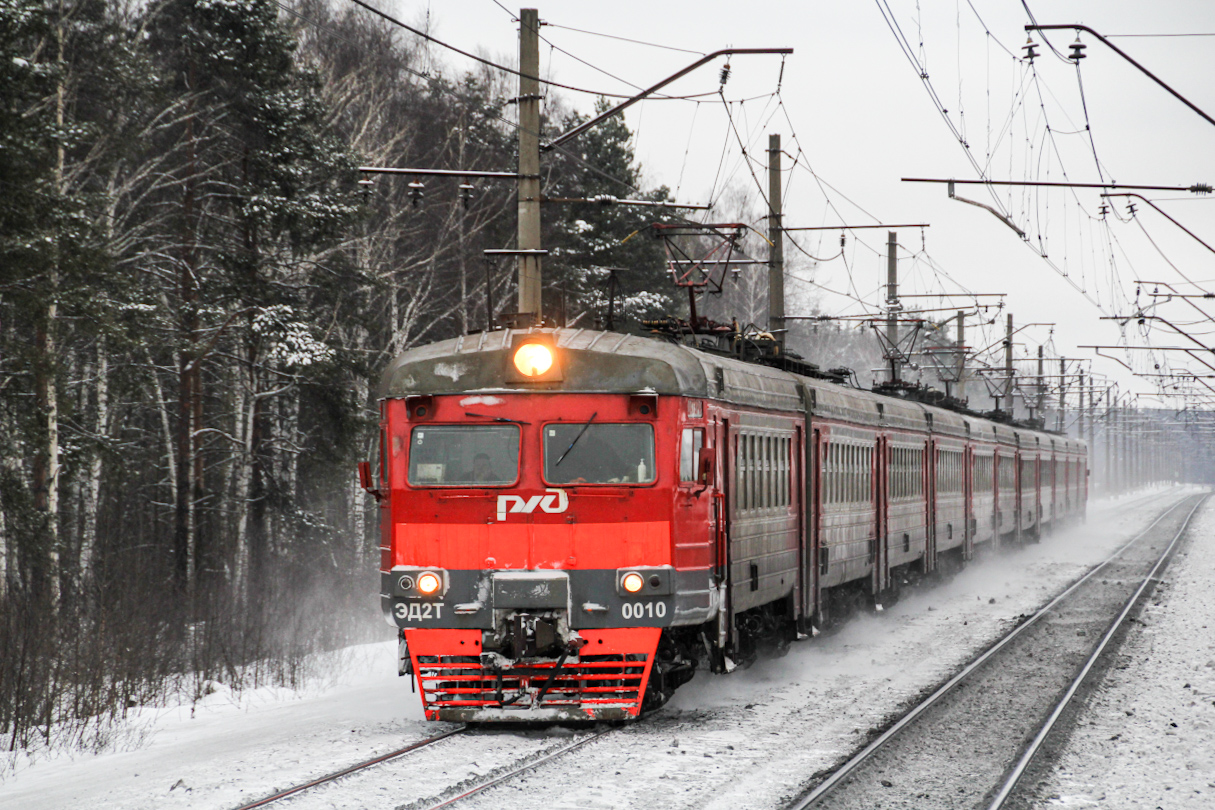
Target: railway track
<point>464,791</point>
<point>972,740</point>
<point>421,785</point>
<point>364,779</point>
<point>352,769</point>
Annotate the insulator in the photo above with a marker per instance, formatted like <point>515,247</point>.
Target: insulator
<point>1105,209</point>
<point>1031,49</point>
<point>725,74</point>
<point>415,193</point>
<point>466,191</point>
<point>1077,49</point>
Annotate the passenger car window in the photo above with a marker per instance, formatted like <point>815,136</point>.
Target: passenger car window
<point>463,455</point>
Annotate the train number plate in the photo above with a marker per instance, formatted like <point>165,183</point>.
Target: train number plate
<point>418,611</point>
<point>643,610</point>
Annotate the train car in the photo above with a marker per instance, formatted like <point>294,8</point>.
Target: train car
<point>573,520</point>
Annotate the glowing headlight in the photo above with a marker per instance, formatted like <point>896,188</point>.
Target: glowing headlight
<point>429,583</point>
<point>532,359</point>
<point>632,582</point>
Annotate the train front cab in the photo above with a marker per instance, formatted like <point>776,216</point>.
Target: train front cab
<point>547,518</point>
<point>560,578</point>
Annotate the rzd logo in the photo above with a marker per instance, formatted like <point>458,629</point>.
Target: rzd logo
<point>553,503</point>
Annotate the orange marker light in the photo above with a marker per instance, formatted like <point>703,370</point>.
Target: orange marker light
<point>429,583</point>
<point>632,582</point>
<point>532,359</point>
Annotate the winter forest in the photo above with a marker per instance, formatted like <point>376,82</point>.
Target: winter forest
<point>197,295</point>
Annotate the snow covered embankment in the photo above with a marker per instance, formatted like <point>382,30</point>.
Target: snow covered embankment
<point>1146,737</point>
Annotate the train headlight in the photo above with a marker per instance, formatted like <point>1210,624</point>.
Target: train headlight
<point>429,583</point>
<point>533,359</point>
<point>632,582</point>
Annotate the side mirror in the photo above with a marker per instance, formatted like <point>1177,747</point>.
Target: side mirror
<point>367,482</point>
<point>706,467</point>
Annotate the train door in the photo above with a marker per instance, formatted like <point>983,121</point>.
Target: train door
<point>1018,497</point>
<point>1056,494</point>
<point>723,494</point>
<point>1039,506</point>
<point>814,560</point>
<point>968,506</point>
<point>930,505</point>
<point>996,503</point>
<point>878,552</point>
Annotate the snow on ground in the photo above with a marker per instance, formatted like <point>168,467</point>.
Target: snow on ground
<point>784,718</point>
<point>1146,737</point>
<point>754,738</point>
<point>224,751</point>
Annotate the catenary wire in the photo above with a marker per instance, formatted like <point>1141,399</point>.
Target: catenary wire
<point>481,59</point>
<point>622,39</point>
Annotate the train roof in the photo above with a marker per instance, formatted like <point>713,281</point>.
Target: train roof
<point>595,361</point>
<point>592,362</point>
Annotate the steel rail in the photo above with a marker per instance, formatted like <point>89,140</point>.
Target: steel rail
<point>536,763</point>
<point>1030,752</point>
<point>282,794</point>
<point>833,781</point>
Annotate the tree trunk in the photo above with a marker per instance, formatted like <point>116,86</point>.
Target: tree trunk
<point>357,498</point>
<point>4,556</point>
<point>257,488</point>
<point>183,563</point>
<point>46,458</point>
<point>166,425</point>
<point>460,239</point>
<point>46,393</point>
<point>92,492</point>
<point>187,376</point>
<point>244,430</point>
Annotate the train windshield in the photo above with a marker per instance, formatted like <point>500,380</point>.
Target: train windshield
<point>593,453</point>
<point>464,455</point>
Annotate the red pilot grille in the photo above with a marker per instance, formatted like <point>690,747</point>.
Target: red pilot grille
<point>616,680</point>
<point>611,673</point>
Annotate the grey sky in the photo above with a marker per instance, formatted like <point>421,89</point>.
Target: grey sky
<point>863,119</point>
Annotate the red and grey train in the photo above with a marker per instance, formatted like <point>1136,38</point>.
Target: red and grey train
<point>572,519</point>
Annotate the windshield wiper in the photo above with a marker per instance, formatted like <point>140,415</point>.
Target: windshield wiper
<point>496,418</point>
<point>576,438</point>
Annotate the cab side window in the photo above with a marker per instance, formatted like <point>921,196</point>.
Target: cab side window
<point>690,446</point>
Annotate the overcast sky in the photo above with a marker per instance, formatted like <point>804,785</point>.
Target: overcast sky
<point>861,118</point>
